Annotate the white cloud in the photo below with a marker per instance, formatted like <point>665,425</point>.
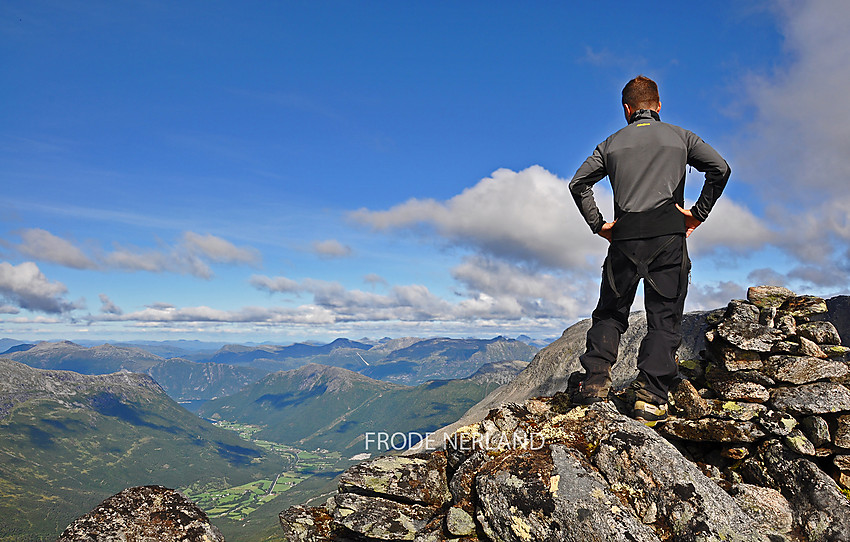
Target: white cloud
<point>219,250</point>
<point>26,287</point>
<point>44,246</point>
<point>794,152</point>
<point>190,256</point>
<point>9,309</point>
<point>331,248</point>
<point>800,134</point>
<point>702,297</point>
<point>276,284</point>
<point>526,216</point>
<point>731,226</point>
<point>108,307</point>
<point>503,289</point>
<point>136,259</point>
<point>375,280</point>
<point>767,276</point>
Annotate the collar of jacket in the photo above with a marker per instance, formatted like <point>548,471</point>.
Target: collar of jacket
<point>643,114</point>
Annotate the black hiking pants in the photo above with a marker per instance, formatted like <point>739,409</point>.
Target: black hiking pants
<point>665,277</point>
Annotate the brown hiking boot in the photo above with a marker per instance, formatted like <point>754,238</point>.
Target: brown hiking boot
<point>649,414</point>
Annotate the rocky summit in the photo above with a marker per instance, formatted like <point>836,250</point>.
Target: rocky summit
<point>757,449</point>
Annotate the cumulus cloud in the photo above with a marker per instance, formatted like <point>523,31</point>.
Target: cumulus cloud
<point>732,227</point>
<point>794,152</point>
<point>26,287</point>
<point>508,290</point>
<point>331,248</point>
<point>799,134</point>
<point>526,216</point>
<point>703,297</point>
<point>44,246</point>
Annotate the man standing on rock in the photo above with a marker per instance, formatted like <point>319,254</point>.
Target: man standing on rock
<point>645,163</point>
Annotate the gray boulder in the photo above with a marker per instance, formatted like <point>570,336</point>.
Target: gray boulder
<point>414,479</point>
<point>553,495</point>
<point>817,398</point>
<point>821,511</point>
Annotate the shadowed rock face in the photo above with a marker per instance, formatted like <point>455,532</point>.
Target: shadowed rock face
<point>144,513</point>
<point>748,454</point>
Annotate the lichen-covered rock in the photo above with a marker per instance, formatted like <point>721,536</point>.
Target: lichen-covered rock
<point>741,328</point>
<point>735,452</point>
<point>822,332</point>
<point>692,370</point>
<point>306,524</point>
<point>463,481</point>
<point>816,430</point>
<point>835,351</point>
<point>689,402</point>
<point>418,479</point>
<point>713,430</point>
<point>817,398</point>
<point>734,410</point>
<point>384,519</point>
<point>842,432</point>
<point>734,359</point>
<point>552,496</point>
<point>651,475</point>
<point>771,511</point>
<point>777,423</point>
<point>768,296</point>
<point>144,513</point>
<point>804,306</point>
<point>786,324</point>
<point>803,369</point>
<point>459,522</point>
<point>715,373</point>
<point>741,391</point>
<point>797,442</point>
<point>820,509</point>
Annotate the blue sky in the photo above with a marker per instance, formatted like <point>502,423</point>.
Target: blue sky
<point>282,171</point>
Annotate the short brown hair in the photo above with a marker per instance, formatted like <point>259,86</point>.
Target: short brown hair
<point>641,93</point>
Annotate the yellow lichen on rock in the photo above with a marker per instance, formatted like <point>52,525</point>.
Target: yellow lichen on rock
<point>520,527</point>
<point>553,484</point>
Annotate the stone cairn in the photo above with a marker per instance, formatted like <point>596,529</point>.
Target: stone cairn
<point>757,450</point>
<point>773,368</point>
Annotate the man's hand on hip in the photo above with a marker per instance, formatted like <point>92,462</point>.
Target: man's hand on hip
<point>606,231</point>
<point>691,223</point>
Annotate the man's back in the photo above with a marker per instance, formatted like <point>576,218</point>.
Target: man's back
<point>645,162</point>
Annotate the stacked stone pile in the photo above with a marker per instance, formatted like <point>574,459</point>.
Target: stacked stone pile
<point>774,371</point>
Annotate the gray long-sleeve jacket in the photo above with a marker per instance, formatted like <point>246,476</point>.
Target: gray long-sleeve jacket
<point>646,162</point>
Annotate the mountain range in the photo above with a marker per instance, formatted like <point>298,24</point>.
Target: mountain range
<point>207,375</point>
<point>316,406</point>
<point>67,441</point>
